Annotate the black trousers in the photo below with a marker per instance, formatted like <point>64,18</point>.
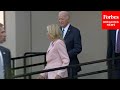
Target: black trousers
<point>114,68</point>
<point>72,73</point>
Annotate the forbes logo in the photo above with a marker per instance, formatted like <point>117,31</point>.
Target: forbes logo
<point>110,20</point>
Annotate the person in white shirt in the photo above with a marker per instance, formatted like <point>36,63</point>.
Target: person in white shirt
<point>5,56</point>
<point>113,51</point>
<point>73,42</point>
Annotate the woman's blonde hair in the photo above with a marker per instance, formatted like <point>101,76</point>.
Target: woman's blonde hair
<point>54,31</point>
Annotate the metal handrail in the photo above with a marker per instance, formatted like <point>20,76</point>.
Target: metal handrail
<point>24,57</point>
<point>82,64</point>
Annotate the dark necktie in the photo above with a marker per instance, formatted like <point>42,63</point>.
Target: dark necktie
<point>118,43</point>
<point>63,33</point>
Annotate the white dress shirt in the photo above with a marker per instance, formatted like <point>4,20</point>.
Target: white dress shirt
<point>1,67</point>
<point>117,34</point>
<point>65,30</point>
<point>116,40</point>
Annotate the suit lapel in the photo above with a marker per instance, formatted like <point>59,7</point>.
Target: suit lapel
<point>50,47</point>
<point>3,55</point>
<point>114,37</point>
<point>68,32</point>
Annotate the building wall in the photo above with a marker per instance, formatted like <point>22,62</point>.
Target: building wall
<point>17,25</point>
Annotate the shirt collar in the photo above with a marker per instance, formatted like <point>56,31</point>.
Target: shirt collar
<point>66,28</point>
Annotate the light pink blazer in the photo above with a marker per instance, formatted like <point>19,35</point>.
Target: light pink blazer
<point>56,56</point>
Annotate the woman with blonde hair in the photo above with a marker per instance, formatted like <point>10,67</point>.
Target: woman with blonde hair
<point>56,56</point>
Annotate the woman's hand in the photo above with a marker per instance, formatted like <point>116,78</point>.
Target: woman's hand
<point>58,77</point>
<point>40,77</point>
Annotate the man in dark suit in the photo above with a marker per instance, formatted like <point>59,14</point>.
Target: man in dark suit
<point>112,52</point>
<point>5,57</point>
<point>72,38</point>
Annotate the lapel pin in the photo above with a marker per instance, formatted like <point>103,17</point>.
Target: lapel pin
<point>4,53</point>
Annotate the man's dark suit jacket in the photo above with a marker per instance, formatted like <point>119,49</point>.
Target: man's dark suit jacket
<point>111,53</point>
<point>6,61</point>
<point>111,43</point>
<point>74,47</point>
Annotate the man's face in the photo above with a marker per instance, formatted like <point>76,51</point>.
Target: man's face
<point>63,20</point>
<point>2,35</point>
